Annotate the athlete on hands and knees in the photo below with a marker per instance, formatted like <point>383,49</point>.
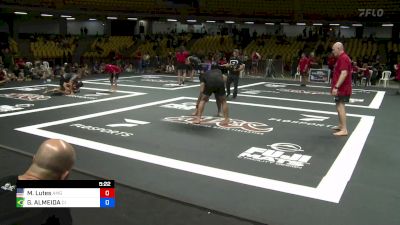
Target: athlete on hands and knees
<point>206,68</point>
<point>53,161</point>
<point>114,72</point>
<point>213,83</point>
<point>341,86</point>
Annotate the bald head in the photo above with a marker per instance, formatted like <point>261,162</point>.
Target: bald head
<point>337,48</point>
<point>53,160</point>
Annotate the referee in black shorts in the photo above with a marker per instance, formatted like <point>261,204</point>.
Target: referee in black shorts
<point>213,83</point>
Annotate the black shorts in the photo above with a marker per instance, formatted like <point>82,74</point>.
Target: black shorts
<point>218,91</point>
<point>344,99</point>
<point>181,66</point>
<point>112,77</point>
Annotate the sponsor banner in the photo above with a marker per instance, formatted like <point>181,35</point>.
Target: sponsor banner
<point>319,75</point>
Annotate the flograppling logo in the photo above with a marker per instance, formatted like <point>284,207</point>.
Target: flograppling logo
<point>26,97</point>
<point>233,125</point>
<point>281,154</point>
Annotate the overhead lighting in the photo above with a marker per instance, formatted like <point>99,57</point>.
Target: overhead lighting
<point>131,18</point>
<point>92,19</point>
<point>317,24</point>
<point>249,22</point>
<point>357,25</point>
<point>20,13</point>
<point>172,20</point>
<point>344,27</point>
<point>112,17</point>
<point>270,24</point>
<point>191,21</point>
<point>334,24</point>
<point>46,15</point>
<point>300,24</point>
<point>65,16</point>
<point>229,21</point>
<point>70,18</point>
<point>210,21</point>
<point>387,25</point>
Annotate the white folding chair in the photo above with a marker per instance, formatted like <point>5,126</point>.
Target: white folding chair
<point>385,78</point>
<point>297,74</point>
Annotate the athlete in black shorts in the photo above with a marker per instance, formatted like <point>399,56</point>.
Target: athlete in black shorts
<point>213,83</point>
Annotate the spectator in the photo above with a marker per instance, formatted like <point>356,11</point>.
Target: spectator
<point>53,161</point>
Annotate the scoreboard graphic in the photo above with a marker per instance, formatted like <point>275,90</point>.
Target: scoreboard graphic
<point>65,194</point>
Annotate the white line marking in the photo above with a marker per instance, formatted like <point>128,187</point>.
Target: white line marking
<point>318,86</point>
<point>14,88</point>
<point>343,167</point>
<point>377,101</point>
<point>300,100</point>
<point>106,112</point>
<point>148,87</point>
<point>71,105</point>
<point>329,189</point>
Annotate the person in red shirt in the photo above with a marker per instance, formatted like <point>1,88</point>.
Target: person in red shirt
<point>341,86</point>
<point>181,64</point>
<point>303,67</point>
<point>397,68</point>
<point>114,72</point>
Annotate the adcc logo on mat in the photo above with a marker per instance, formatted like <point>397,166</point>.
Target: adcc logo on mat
<point>26,97</point>
<point>280,154</point>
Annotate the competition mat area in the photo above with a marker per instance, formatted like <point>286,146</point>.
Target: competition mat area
<point>276,162</point>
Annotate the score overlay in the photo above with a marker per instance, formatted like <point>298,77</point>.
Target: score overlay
<point>65,194</point>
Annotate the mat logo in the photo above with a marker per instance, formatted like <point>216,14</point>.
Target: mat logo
<point>307,120</point>
<point>256,92</point>
<point>313,118</point>
<point>281,154</point>
<point>101,130</point>
<point>128,123</point>
<point>150,76</point>
<point>26,97</point>
<point>89,96</point>
<point>304,91</point>
<point>30,88</point>
<point>156,80</point>
<point>355,100</point>
<point>215,122</point>
<point>11,108</point>
<point>181,106</point>
<point>275,85</point>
